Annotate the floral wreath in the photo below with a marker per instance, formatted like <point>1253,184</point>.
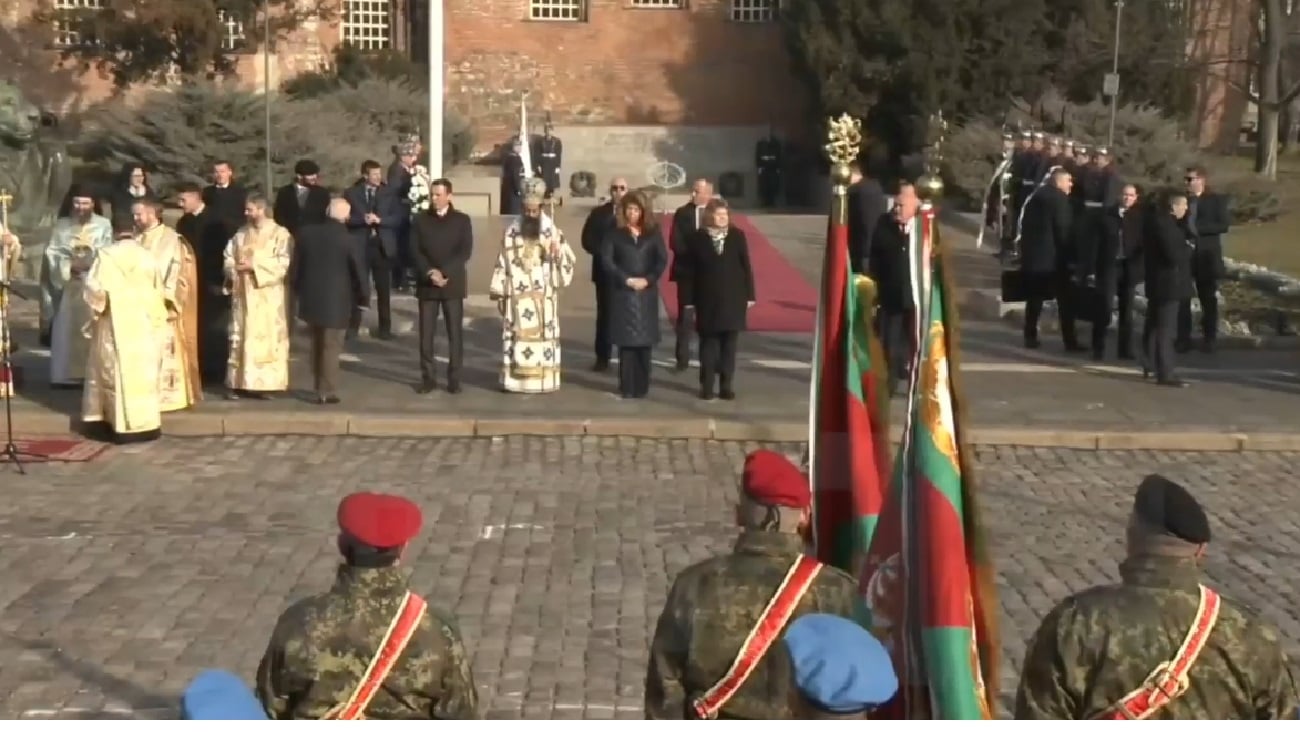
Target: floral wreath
<point>421,189</point>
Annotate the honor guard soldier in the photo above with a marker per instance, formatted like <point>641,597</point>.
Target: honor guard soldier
<point>1099,191</point>
<point>709,655</point>
<point>1024,163</point>
<point>1161,645</point>
<point>548,157</point>
<point>368,648</point>
<point>840,671</point>
<point>768,157</point>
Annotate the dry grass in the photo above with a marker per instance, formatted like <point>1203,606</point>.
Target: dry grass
<point>1275,244</point>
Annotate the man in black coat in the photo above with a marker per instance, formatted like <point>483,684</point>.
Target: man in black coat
<point>442,243</point>
<point>600,222</point>
<point>1117,270</point>
<point>1208,219</point>
<point>715,280</point>
<point>1098,192</point>
<point>688,219</point>
<point>866,206</point>
<point>890,268</point>
<point>548,157</point>
<point>1024,166</point>
<point>302,202</point>
<point>206,236</point>
<point>376,217</point>
<point>328,281</point>
<point>398,178</point>
<point>1046,258</point>
<point>513,177</point>
<point>226,199</point>
<point>1168,262</point>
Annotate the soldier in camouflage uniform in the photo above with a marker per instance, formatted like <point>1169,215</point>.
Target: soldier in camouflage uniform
<point>327,647</point>
<point>714,605</point>
<point>1159,645</point>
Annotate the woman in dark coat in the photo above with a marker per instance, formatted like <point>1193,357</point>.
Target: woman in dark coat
<point>633,257</point>
<point>715,280</point>
<point>132,184</point>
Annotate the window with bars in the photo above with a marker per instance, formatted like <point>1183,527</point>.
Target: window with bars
<point>68,21</point>
<point>753,11</point>
<point>367,24</point>
<point>232,32</point>
<point>657,3</point>
<point>557,10</point>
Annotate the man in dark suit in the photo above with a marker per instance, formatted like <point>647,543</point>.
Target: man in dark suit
<point>866,206</point>
<point>375,219</point>
<point>399,179</point>
<point>888,265</point>
<point>688,219</point>
<point>548,156</point>
<point>302,202</point>
<point>226,199</point>
<point>1208,219</point>
<point>206,236</point>
<point>513,177</point>
<point>1117,270</point>
<point>600,222</point>
<point>329,282</point>
<point>1168,263</point>
<point>441,246</point>
<point>1046,252</point>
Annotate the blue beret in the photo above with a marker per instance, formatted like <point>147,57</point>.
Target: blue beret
<point>219,695</point>
<point>838,665</point>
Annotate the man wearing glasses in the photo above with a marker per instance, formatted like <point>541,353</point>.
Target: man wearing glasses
<point>1207,221</point>
<point>600,222</point>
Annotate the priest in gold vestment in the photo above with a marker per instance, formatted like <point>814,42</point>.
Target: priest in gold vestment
<point>256,266</point>
<point>534,264</point>
<point>125,292</point>
<point>179,382</point>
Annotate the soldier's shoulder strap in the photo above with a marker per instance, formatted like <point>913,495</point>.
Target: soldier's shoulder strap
<point>1170,679</point>
<point>400,631</point>
<point>798,579</point>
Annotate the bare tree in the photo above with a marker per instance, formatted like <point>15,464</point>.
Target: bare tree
<point>1273,95</point>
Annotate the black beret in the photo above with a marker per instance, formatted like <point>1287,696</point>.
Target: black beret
<point>1169,508</point>
<point>306,168</point>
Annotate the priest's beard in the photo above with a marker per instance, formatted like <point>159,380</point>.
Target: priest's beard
<point>530,227</point>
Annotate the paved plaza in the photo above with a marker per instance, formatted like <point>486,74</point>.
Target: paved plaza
<point>125,576</point>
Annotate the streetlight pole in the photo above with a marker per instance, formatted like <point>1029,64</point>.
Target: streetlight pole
<point>437,51</point>
<point>266,88</point>
<point>1114,71</point>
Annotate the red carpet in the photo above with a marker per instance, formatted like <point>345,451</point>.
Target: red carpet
<point>61,450</point>
<point>786,302</point>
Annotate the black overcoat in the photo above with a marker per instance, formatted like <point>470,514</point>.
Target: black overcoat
<point>719,285</point>
<point>633,314</point>
<point>328,275</point>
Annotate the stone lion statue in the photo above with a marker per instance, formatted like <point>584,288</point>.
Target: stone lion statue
<point>34,169</point>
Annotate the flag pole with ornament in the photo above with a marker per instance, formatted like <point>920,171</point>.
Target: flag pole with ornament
<point>927,579</point>
<point>848,409</point>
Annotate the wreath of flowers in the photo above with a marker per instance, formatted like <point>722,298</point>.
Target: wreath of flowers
<point>421,189</point>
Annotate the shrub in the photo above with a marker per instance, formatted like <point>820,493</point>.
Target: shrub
<point>1253,201</point>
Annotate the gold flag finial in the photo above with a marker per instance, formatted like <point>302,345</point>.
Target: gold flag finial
<point>930,185</point>
<point>843,141</point>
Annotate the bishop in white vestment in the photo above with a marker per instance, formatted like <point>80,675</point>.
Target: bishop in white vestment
<point>68,257</point>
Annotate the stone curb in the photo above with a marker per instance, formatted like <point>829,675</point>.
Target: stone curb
<point>415,426</point>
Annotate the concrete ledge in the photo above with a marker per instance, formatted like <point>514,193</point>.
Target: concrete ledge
<point>409,426</point>
<point>764,432</point>
<point>489,428</point>
<point>1207,442</point>
<point>1271,442</point>
<point>681,428</point>
<point>1074,439</point>
<point>284,423</point>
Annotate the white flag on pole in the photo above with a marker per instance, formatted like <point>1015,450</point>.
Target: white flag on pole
<point>525,144</point>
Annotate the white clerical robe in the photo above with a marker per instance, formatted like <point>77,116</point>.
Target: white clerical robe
<point>9,256</point>
<point>72,247</point>
<point>126,293</point>
<point>174,259</point>
<point>526,283</point>
<point>259,323</point>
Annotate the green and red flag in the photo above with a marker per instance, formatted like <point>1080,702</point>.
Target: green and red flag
<point>848,409</point>
<point>927,581</point>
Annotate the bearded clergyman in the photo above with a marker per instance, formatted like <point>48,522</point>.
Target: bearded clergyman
<point>256,266</point>
<point>534,264</point>
<point>78,234</point>
<point>179,381</point>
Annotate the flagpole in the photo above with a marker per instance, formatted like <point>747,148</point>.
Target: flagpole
<point>436,74</point>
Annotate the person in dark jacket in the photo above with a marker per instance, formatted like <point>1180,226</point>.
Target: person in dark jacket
<point>716,283</point>
<point>866,205</point>
<point>600,222</point>
<point>513,178</point>
<point>206,236</point>
<point>131,187</point>
<point>688,219</point>
<point>226,198</point>
<point>328,281</point>
<point>1118,270</point>
<point>1046,249</point>
<point>1208,219</point>
<point>302,202</point>
<point>1168,265</point>
<point>400,174</point>
<point>890,270</point>
<point>442,243</point>
<point>634,257</point>
<point>376,218</point>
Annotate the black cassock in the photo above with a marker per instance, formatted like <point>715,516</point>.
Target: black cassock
<point>512,185</point>
<point>206,234</point>
<point>227,206</point>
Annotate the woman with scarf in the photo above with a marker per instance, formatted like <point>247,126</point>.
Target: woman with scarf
<point>132,185</point>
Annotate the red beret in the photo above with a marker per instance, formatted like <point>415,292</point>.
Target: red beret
<point>379,520</point>
<point>772,480</point>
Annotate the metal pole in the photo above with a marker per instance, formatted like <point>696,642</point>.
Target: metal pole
<point>436,53</point>
<point>266,89</point>
<point>1114,69</point>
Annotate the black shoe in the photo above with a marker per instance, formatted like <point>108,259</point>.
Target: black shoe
<point>601,365</point>
<point>1125,355</point>
<point>1031,342</point>
<point>331,399</point>
<point>1208,346</point>
<point>426,387</point>
<point>727,394</point>
<point>453,387</point>
<point>1098,354</point>
<point>706,394</point>
<point>681,367</point>
<point>1171,383</point>
<point>385,336</point>
<point>264,396</point>
<point>232,395</point>
<point>1075,349</point>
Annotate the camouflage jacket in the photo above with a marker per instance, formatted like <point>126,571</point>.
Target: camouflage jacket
<point>711,609</point>
<point>1097,646</point>
<point>322,646</point>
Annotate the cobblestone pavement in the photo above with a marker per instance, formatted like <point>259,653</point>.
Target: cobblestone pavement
<point>124,577</point>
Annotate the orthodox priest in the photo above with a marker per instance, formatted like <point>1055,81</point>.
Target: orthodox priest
<point>179,379</point>
<point>534,264</point>
<point>78,234</point>
<point>126,294</point>
<point>256,266</point>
